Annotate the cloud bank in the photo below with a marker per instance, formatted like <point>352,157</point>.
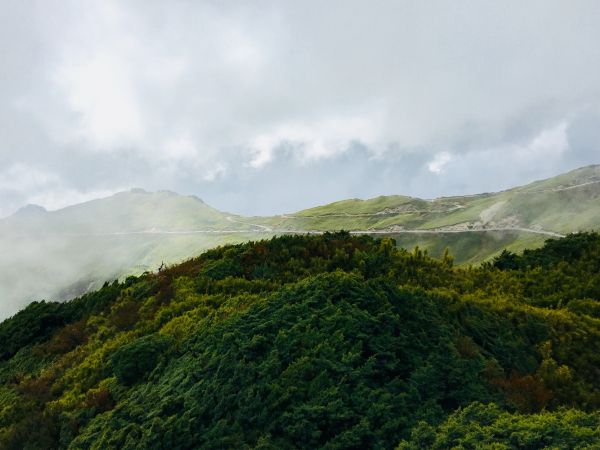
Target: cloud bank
<point>265,107</point>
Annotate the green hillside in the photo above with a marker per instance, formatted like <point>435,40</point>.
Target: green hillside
<point>475,227</point>
<point>332,341</point>
<point>469,247</point>
<point>563,204</point>
<point>64,253</point>
<point>60,254</point>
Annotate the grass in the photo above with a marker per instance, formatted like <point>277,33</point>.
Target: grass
<point>469,248</point>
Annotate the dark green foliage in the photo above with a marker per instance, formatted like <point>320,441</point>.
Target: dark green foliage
<point>571,248</point>
<point>133,361</point>
<point>488,426</point>
<point>32,325</point>
<point>39,320</point>
<point>507,261</point>
<point>561,271</point>
<point>585,306</point>
<point>334,361</point>
<point>330,341</point>
<point>222,268</point>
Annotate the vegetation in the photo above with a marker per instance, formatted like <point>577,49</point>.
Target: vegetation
<point>62,254</point>
<point>331,341</point>
<point>488,426</point>
<point>562,204</point>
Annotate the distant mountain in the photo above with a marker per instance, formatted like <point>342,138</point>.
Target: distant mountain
<point>125,212</point>
<point>557,205</point>
<point>60,254</point>
<point>474,227</point>
<point>30,211</point>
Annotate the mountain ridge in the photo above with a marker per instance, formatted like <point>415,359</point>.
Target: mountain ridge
<point>63,253</point>
<point>593,177</point>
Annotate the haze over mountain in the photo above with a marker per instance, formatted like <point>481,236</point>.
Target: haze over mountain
<point>61,254</point>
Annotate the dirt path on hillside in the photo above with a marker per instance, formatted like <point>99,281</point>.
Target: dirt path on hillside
<point>559,189</point>
<point>477,230</point>
<point>273,231</point>
<point>262,228</point>
<point>390,212</point>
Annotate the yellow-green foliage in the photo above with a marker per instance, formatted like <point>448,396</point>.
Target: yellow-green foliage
<point>315,341</point>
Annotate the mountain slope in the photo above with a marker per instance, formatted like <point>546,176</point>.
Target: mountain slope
<point>61,254</point>
<point>473,227</point>
<point>332,341</point>
<point>125,212</point>
<point>563,204</point>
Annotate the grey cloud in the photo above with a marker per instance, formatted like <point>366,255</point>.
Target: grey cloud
<point>267,106</point>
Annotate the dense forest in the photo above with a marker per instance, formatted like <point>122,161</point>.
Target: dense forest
<point>332,341</point>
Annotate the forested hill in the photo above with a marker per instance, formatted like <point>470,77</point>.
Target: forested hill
<point>331,341</point>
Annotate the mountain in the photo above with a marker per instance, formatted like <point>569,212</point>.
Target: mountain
<point>61,254</point>
<point>473,227</point>
<point>134,211</point>
<point>557,205</point>
<point>318,341</point>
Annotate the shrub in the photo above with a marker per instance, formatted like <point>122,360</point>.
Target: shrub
<point>135,360</point>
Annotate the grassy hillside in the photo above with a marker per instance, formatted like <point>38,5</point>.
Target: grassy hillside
<point>469,247</point>
<point>59,254</point>
<point>563,204</point>
<point>332,341</point>
<point>516,218</point>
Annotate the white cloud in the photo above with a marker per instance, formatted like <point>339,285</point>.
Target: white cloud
<point>548,146</point>
<point>62,196</point>
<point>551,141</point>
<point>40,187</point>
<point>503,166</point>
<point>189,95</point>
<point>324,138</point>
<point>439,161</point>
<point>180,148</point>
<point>103,94</point>
<point>214,172</point>
<point>23,178</point>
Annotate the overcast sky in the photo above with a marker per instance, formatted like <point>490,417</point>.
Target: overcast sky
<point>263,107</point>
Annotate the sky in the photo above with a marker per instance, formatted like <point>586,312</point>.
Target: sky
<point>264,107</point>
